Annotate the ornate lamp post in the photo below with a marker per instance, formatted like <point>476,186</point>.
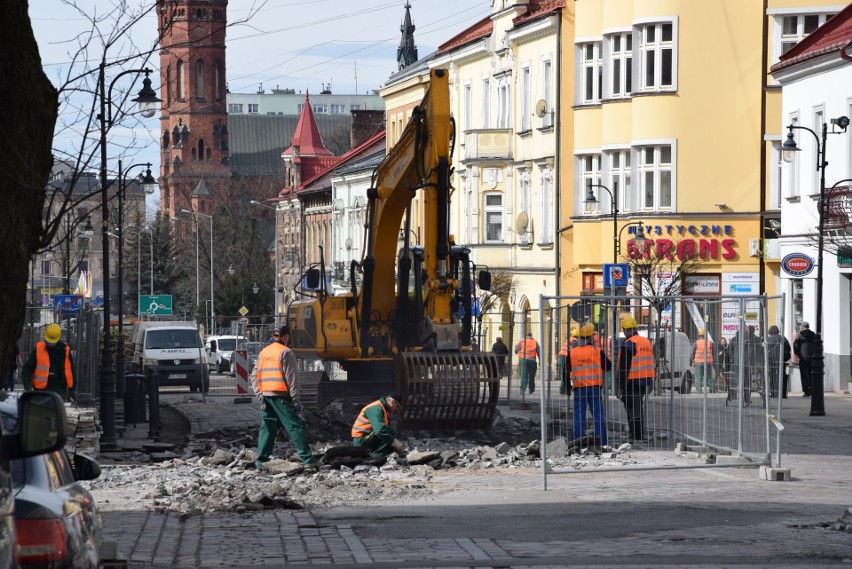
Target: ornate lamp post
<point>788,148</point>
<point>592,202</point>
<point>212,329</point>
<point>147,100</point>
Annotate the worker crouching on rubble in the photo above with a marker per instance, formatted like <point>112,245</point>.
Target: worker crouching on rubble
<point>587,364</point>
<point>372,428</point>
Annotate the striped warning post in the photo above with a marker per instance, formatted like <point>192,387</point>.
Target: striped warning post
<point>242,373</point>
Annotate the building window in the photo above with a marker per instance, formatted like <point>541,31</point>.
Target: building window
<point>795,28</point>
<point>45,267</point>
<point>253,108</point>
<point>467,107</point>
<point>320,109</point>
<point>547,92</point>
<point>591,72</point>
<point>658,56</point>
<point>235,108</point>
<point>181,78</point>
<point>547,211</point>
<point>299,108</point>
<point>357,107</point>
<point>504,102</point>
<point>493,218</point>
<point>655,177</point>
<point>526,99</point>
<point>338,109</point>
<point>620,65</point>
<point>618,179</point>
<point>486,98</point>
<point>217,85</point>
<point>589,169</point>
<point>199,80</point>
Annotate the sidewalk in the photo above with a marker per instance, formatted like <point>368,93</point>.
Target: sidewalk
<point>677,518</point>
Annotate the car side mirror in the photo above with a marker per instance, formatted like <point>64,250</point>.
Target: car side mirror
<point>86,467</point>
<point>485,280</point>
<point>213,347</point>
<point>42,420</point>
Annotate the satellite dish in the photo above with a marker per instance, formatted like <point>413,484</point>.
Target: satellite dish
<point>348,243</point>
<point>541,108</point>
<point>522,223</point>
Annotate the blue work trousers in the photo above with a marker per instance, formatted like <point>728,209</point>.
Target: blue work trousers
<point>589,397</point>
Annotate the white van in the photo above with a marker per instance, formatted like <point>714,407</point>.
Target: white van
<point>173,351</point>
<point>221,351</point>
<point>674,372</point>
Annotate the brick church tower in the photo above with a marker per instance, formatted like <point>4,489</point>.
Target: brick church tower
<point>194,123</point>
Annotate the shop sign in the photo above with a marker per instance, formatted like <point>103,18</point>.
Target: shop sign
<point>700,284</point>
<point>797,264</point>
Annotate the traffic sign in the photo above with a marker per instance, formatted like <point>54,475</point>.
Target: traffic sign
<point>243,310</point>
<point>68,303</point>
<point>616,274</point>
<point>155,305</point>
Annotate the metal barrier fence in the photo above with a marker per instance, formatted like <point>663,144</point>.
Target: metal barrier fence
<point>722,411</point>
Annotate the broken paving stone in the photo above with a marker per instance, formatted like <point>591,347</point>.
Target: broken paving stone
<point>422,457</point>
<point>158,447</point>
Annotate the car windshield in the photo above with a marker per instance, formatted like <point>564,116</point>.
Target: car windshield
<point>168,339</point>
<point>227,344</point>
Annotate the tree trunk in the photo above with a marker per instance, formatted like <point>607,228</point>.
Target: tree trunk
<point>26,123</point>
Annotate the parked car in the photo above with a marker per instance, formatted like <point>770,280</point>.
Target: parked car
<point>221,350</point>
<point>33,427</point>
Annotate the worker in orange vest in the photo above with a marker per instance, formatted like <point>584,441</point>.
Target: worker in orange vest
<point>372,428</point>
<point>50,366</point>
<point>587,365</point>
<point>635,375</point>
<point>528,354</point>
<point>562,357</point>
<point>702,362</point>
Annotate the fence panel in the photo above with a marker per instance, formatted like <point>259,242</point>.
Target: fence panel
<point>714,406</point>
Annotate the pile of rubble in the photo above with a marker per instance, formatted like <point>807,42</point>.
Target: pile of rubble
<point>216,471</point>
<point>84,430</point>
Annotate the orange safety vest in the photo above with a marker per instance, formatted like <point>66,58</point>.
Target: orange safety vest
<point>270,375</point>
<point>703,351</point>
<point>362,424</point>
<point>642,364</point>
<point>565,347</point>
<point>42,368</point>
<point>529,349</point>
<point>586,370</point>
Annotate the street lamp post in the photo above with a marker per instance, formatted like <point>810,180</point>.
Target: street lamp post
<point>197,268</point>
<point>147,100</point>
<point>788,148</point>
<point>149,184</point>
<point>591,202</point>
<point>275,281</point>
<point>212,329</point>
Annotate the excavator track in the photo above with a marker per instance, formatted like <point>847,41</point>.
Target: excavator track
<point>448,390</point>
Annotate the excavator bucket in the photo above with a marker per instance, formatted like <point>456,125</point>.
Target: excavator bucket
<point>448,390</point>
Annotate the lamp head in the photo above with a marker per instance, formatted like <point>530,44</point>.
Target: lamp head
<point>149,182</point>
<point>147,98</point>
<point>789,146</point>
<point>639,239</point>
<point>254,288</point>
<point>591,201</point>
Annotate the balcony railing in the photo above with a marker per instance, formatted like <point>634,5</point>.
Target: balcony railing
<point>839,208</point>
<point>488,144</point>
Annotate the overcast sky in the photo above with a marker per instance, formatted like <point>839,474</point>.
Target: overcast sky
<point>298,44</point>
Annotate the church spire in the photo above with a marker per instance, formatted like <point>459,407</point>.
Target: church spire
<point>406,53</point>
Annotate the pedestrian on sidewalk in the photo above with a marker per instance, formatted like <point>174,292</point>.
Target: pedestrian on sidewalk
<point>778,355</point>
<point>372,428</point>
<point>635,374</point>
<point>586,365</point>
<point>804,347</point>
<point>500,350</point>
<point>50,366</point>
<point>275,382</point>
<point>528,351</point>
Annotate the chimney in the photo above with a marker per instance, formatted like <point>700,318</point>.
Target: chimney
<point>364,125</point>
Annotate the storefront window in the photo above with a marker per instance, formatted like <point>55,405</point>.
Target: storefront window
<point>797,304</point>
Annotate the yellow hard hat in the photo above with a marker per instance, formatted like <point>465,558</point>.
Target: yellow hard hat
<point>628,322</point>
<point>574,332</point>
<point>52,333</point>
<point>701,332</point>
<point>587,330</point>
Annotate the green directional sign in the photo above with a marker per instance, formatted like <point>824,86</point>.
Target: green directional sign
<point>157,305</point>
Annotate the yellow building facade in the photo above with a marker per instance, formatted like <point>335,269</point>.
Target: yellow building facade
<point>671,110</point>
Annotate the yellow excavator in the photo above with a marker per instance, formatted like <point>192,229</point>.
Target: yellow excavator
<point>408,327</point>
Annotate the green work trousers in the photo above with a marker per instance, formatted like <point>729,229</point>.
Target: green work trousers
<point>560,366</point>
<point>528,368</point>
<point>276,413</point>
<point>377,447</point>
<point>699,376</point>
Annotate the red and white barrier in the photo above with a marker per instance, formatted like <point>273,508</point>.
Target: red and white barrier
<point>242,371</point>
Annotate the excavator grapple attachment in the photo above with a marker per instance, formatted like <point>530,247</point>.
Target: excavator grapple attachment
<point>448,390</point>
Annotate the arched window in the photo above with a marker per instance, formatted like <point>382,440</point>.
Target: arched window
<point>168,85</point>
<point>199,79</point>
<point>166,139</point>
<point>200,149</point>
<point>217,84</point>
<point>181,95</point>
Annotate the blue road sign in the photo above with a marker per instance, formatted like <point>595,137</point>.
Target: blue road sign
<point>616,274</point>
<point>68,303</point>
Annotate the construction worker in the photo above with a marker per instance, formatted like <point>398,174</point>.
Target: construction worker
<point>635,375</point>
<point>562,357</point>
<point>372,428</point>
<point>528,351</point>
<point>275,382</point>
<point>587,364</point>
<point>50,366</point>
<point>702,362</point>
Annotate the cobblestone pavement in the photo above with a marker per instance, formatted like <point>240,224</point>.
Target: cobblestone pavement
<point>675,518</point>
